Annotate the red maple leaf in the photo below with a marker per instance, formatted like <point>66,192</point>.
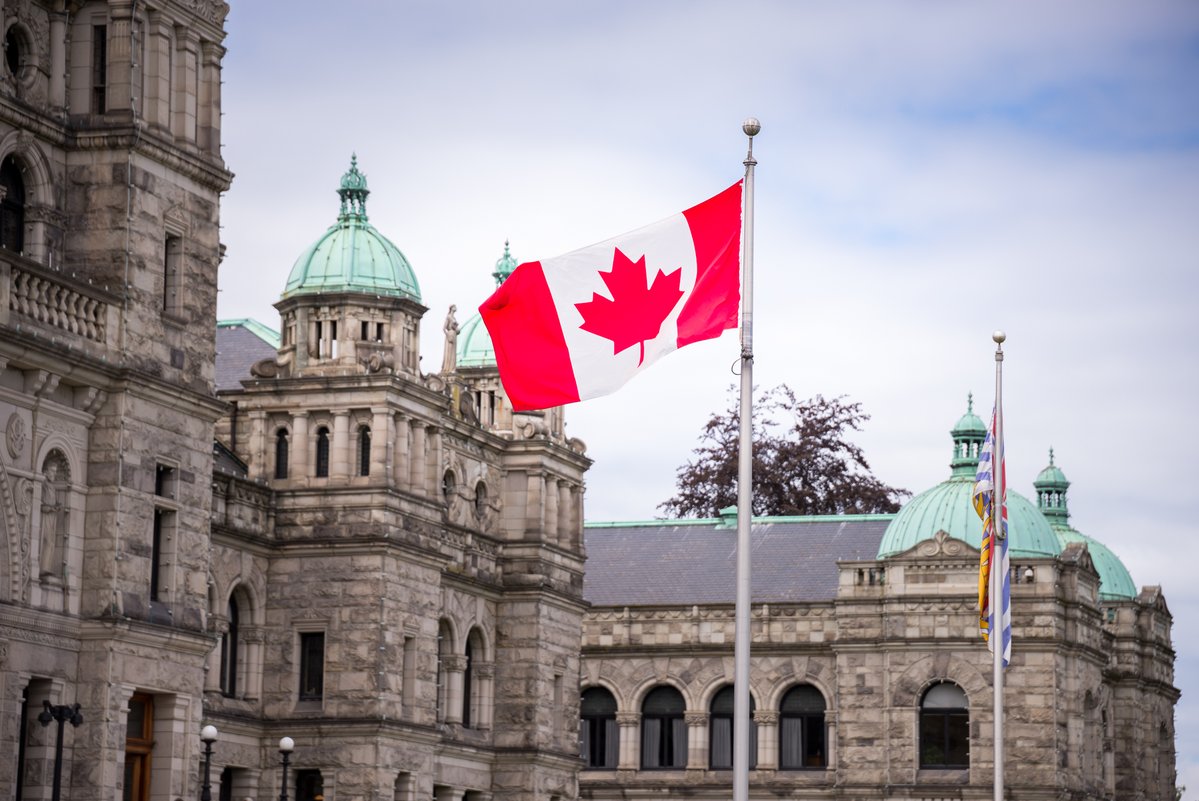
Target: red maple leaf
<point>636,311</point>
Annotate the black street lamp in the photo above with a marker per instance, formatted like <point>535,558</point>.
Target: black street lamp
<point>208,736</point>
<point>62,713</point>
<point>286,746</point>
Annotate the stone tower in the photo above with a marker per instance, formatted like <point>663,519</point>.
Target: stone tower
<point>404,579</point>
<point>110,177</point>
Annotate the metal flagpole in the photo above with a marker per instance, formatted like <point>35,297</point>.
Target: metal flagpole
<point>741,721</point>
<point>996,633</point>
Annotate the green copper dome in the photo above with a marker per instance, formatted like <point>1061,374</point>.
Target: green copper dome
<point>949,506</point>
<point>352,256</point>
<point>1115,582</point>
<point>474,340</point>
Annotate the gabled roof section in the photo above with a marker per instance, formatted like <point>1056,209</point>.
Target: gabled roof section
<point>239,344</point>
<point>680,562</point>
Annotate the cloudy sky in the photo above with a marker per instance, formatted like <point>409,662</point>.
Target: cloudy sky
<point>928,171</point>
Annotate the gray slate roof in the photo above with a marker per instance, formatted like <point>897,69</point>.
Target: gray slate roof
<point>672,563</point>
<point>237,348</point>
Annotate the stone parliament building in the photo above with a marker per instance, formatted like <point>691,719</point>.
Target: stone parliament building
<point>300,533</point>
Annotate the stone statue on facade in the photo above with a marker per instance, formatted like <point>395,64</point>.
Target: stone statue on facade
<point>449,358</point>
<point>54,517</point>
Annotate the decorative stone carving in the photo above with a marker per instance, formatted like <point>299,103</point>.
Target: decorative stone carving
<point>941,545</point>
<point>55,513</point>
<point>15,435</point>
<point>449,355</point>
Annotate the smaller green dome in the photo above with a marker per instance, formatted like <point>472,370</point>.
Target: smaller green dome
<point>352,256</point>
<point>969,423</point>
<point>1115,582</point>
<point>1051,476</point>
<point>474,340</point>
<point>1051,486</point>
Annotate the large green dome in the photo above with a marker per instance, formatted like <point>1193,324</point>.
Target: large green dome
<point>474,340</point>
<point>352,256</point>
<point>949,507</point>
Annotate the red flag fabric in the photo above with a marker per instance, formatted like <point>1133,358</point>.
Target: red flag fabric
<point>581,325</point>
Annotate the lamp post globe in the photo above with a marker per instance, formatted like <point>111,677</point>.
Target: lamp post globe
<point>286,746</point>
<point>208,736</point>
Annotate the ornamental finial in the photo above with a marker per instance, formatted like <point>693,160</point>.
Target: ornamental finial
<point>969,403</point>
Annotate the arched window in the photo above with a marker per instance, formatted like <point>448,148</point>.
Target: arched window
<point>599,737</point>
<point>468,684</point>
<point>322,452</point>
<point>229,652</point>
<point>944,727</point>
<point>448,484</point>
<point>663,730</point>
<point>720,731</point>
<point>281,453</point>
<point>12,206</point>
<point>801,729</point>
<point>480,499</point>
<point>364,450</point>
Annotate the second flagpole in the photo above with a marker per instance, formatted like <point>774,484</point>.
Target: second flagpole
<point>997,629</point>
<point>741,722</point>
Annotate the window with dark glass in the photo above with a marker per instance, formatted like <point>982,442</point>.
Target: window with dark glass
<point>944,727</point>
<point>13,50</point>
<point>720,731</point>
<point>229,652</point>
<point>448,484</point>
<point>282,455</point>
<point>444,641</point>
<point>663,730</point>
<point>322,452</point>
<point>99,68</point>
<point>312,665</point>
<point>364,451</point>
<point>599,737</point>
<point>139,743</point>
<point>468,680</point>
<point>802,729</point>
<point>12,206</point>
<point>309,785</point>
<point>480,499</point>
<point>172,274</point>
<point>226,792</point>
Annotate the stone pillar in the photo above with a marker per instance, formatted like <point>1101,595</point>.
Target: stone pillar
<point>401,465</point>
<point>258,464</point>
<point>768,738</point>
<point>381,441</point>
<point>484,675</point>
<point>120,65</point>
<point>341,450</point>
<point>550,515</point>
<point>533,504</point>
<point>630,751</point>
<point>454,666</point>
<point>299,447</point>
<point>58,60</point>
<point>565,515</point>
<point>186,45</point>
<point>697,740</point>
<point>253,639</point>
<point>219,626</point>
<point>417,459</point>
<point>157,72</point>
<point>209,133</point>
<point>435,463</point>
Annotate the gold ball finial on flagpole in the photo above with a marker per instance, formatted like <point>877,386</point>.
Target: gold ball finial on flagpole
<point>999,337</point>
<point>751,126</point>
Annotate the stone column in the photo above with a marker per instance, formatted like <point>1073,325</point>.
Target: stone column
<point>340,453</point>
<point>401,464</point>
<point>768,738</point>
<point>253,639</point>
<point>298,450</point>
<point>120,64</point>
<point>186,45</point>
<point>381,441</point>
<point>454,666</point>
<point>565,515</point>
<point>550,516</point>
<point>697,740</point>
<point>435,463</point>
<point>630,751</point>
<point>533,504</point>
<point>484,674</point>
<point>417,459</point>
<point>258,464</point>
<point>219,626</point>
<point>58,60</point>
<point>157,72</point>
<point>209,135</point>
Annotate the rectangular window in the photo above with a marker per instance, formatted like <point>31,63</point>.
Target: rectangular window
<point>99,68</point>
<point>366,331</point>
<point>409,677</point>
<point>312,666</point>
<point>156,554</point>
<point>309,785</point>
<point>139,742</point>
<point>172,276</point>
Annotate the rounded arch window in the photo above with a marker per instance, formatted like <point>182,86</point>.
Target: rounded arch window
<point>944,727</point>
<point>15,48</point>
<point>449,484</point>
<point>470,692</point>
<point>364,450</point>
<point>720,726</point>
<point>663,730</point>
<point>480,498</point>
<point>599,737</point>
<point>12,205</point>
<point>802,729</point>
<point>281,453</point>
<point>322,452</point>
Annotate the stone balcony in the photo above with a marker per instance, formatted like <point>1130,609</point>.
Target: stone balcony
<point>58,306</point>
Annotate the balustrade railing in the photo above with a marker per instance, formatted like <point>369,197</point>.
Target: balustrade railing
<point>42,299</point>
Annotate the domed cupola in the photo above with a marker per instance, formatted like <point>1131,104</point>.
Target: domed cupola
<point>352,256</point>
<point>1115,582</point>
<point>948,506</point>
<point>352,302</point>
<point>474,340</point>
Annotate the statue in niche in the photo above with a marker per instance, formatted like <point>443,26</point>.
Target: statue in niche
<point>449,358</point>
<point>54,514</point>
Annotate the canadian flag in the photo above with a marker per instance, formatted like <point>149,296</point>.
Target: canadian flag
<point>581,325</point>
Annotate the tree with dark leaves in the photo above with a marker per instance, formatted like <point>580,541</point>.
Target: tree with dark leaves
<point>803,463</point>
